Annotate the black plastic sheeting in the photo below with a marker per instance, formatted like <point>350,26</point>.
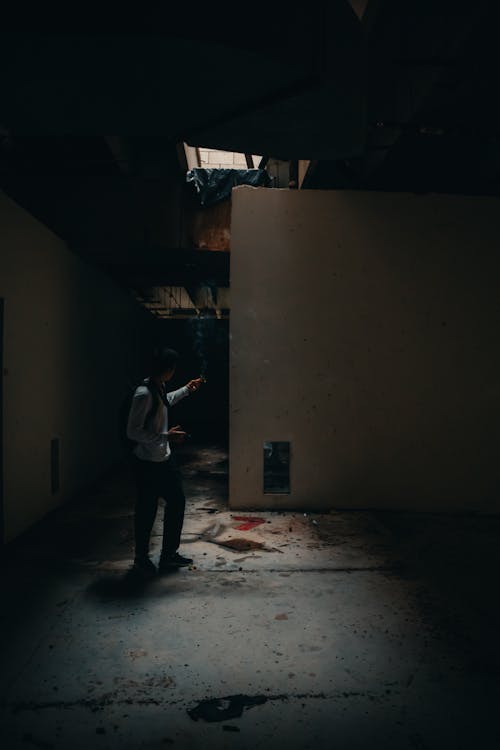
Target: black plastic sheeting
<point>214,185</point>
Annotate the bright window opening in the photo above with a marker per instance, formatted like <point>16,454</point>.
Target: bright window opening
<point>212,159</point>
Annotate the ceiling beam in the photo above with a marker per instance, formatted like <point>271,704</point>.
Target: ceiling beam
<point>309,83</point>
<point>189,157</point>
<point>359,7</point>
<point>418,77</point>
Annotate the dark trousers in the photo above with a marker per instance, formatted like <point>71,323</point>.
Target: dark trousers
<point>155,480</point>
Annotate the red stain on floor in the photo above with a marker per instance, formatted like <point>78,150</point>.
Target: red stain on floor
<point>250,522</point>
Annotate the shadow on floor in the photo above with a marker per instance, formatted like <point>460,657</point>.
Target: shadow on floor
<point>130,585</point>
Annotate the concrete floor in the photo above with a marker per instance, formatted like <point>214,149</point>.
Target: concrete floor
<point>338,630</point>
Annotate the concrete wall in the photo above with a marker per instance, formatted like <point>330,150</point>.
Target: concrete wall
<point>364,329</point>
<point>71,340</point>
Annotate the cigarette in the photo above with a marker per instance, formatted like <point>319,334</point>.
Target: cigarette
<point>203,379</point>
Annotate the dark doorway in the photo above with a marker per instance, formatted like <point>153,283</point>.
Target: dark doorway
<point>203,343</point>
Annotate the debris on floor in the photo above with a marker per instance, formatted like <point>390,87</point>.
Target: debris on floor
<point>212,531</point>
<point>241,545</point>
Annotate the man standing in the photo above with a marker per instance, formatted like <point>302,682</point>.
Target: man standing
<point>156,471</point>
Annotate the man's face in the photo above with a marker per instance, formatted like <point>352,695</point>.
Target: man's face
<point>168,375</point>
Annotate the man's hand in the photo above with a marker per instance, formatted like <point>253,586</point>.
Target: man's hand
<point>193,385</point>
<point>176,435</point>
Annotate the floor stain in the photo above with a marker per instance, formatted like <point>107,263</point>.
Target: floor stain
<point>221,709</point>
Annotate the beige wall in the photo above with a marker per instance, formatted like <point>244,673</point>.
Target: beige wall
<point>71,339</point>
<point>364,329</point>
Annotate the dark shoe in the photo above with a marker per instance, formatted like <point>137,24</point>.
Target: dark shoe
<point>145,567</point>
<point>174,561</point>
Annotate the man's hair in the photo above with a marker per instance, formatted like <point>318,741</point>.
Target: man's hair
<point>163,359</point>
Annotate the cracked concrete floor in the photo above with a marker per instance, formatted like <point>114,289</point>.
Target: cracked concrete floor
<point>334,630</point>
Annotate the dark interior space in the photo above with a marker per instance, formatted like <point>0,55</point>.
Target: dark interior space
<point>203,346</point>
<point>336,289</point>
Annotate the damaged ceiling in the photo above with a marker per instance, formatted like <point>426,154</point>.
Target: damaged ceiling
<point>376,94</point>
